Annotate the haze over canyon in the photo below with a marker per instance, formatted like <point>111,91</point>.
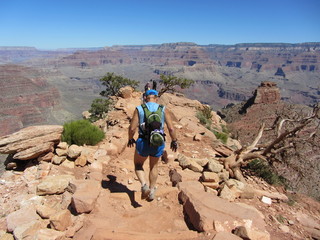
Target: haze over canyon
<point>54,86</point>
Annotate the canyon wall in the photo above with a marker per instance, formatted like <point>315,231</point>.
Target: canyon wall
<point>25,98</point>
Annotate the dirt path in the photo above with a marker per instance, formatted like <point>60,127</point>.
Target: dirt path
<point>120,212</point>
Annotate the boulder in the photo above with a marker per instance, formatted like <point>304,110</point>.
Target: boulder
<point>227,194</point>
<point>208,212</point>
<point>20,217</point>
<point>74,151</point>
<point>31,142</point>
<point>194,166</point>
<point>27,230</point>
<point>215,166</point>
<point>6,236</point>
<point>247,232</point>
<point>46,157</point>
<point>49,234</point>
<point>58,159</point>
<point>63,145</point>
<point>68,164</point>
<point>211,185</point>
<point>54,184</point>
<point>126,92</point>
<point>81,161</point>
<point>201,161</point>
<point>210,177</point>
<point>175,177</point>
<point>38,134</point>
<point>61,220</point>
<point>34,152</point>
<point>45,211</point>
<point>272,195</point>
<point>184,162</point>
<point>85,195</point>
<point>61,152</point>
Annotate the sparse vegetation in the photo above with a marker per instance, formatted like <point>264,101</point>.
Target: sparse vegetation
<point>114,82</point>
<point>170,83</point>
<point>99,108</point>
<point>223,137</point>
<point>263,170</point>
<point>81,132</point>
<point>204,115</point>
<point>281,219</point>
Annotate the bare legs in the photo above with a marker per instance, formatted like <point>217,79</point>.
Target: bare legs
<point>153,174</point>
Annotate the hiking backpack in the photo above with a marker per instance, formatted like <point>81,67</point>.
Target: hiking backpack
<point>153,131</point>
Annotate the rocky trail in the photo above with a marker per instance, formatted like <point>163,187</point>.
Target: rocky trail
<point>120,213</point>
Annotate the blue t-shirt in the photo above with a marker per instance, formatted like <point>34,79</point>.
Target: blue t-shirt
<point>152,106</point>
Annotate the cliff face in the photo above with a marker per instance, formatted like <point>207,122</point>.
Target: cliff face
<point>165,54</point>
<point>264,57</point>
<point>298,161</point>
<point>234,71</point>
<point>25,97</point>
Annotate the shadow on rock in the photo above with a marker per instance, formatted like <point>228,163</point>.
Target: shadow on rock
<point>116,187</point>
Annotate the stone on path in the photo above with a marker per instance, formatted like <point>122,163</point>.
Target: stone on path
<point>61,220</point>
<point>54,184</point>
<point>85,196</point>
<point>20,217</point>
<point>208,212</point>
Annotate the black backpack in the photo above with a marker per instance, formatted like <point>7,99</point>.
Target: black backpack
<point>152,126</point>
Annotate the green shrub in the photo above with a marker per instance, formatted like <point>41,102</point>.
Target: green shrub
<point>170,83</point>
<point>99,108</point>
<point>223,137</point>
<point>81,132</point>
<point>263,170</point>
<point>225,129</point>
<point>114,82</point>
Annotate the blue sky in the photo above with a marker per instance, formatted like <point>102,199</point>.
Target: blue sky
<point>51,24</point>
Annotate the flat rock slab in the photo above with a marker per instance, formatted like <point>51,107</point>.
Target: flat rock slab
<point>207,211</point>
<point>30,133</point>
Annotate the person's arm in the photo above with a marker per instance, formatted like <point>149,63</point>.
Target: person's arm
<point>172,131</point>
<point>169,123</point>
<point>132,128</point>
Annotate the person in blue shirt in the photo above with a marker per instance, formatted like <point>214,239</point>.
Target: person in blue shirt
<point>144,149</point>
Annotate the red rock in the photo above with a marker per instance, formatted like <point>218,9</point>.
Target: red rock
<point>60,221</point>
<point>34,152</point>
<point>205,210</point>
<point>20,217</point>
<point>85,196</point>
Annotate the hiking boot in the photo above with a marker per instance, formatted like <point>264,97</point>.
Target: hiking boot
<point>152,194</point>
<point>145,191</point>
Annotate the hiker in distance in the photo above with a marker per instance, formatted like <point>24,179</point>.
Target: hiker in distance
<point>150,118</point>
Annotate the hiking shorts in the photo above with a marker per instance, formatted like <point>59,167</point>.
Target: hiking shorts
<point>145,150</point>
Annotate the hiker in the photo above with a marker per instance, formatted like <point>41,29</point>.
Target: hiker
<point>150,118</point>
<point>148,87</point>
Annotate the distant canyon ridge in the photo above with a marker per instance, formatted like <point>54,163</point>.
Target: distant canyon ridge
<point>42,86</point>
